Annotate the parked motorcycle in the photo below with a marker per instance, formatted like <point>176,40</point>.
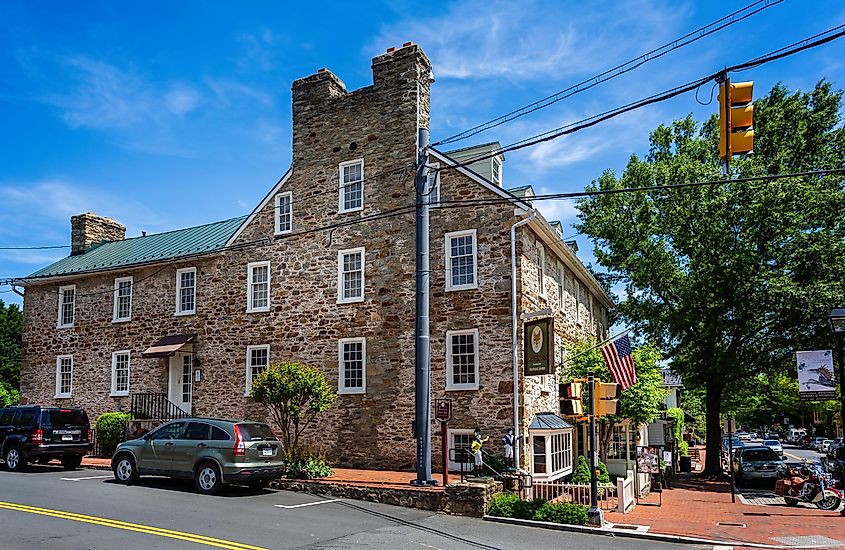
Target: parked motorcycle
<point>809,483</point>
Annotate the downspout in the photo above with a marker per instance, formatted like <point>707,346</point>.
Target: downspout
<point>514,321</point>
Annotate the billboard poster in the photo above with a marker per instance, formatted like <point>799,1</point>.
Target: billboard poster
<point>538,356</point>
<point>816,381</point>
<point>648,460</point>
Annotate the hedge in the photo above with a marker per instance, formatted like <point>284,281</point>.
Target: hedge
<point>110,430</point>
<point>509,505</point>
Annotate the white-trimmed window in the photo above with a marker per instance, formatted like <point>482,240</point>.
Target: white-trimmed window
<point>122,299</point>
<point>352,365</point>
<point>551,454</point>
<point>350,275</point>
<point>284,212</point>
<point>120,362</point>
<point>67,305</point>
<point>186,291</point>
<point>64,376</point>
<point>461,260</point>
<point>460,439</point>
<point>257,361</point>
<point>434,185</point>
<point>258,287</point>
<point>496,171</point>
<point>462,359</point>
<point>541,268</point>
<point>351,197</point>
<point>561,276</point>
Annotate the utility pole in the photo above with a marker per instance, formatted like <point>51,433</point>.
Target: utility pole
<point>725,106</point>
<point>594,515</point>
<point>422,362</point>
<point>731,457</point>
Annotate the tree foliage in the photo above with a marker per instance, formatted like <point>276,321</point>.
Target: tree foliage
<point>11,329</point>
<point>294,393</point>
<point>729,279</point>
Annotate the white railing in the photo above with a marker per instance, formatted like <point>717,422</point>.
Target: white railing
<point>554,491</point>
<point>626,491</point>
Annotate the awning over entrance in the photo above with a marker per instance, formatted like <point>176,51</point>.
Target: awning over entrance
<point>169,345</point>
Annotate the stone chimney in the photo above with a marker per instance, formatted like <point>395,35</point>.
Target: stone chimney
<point>89,229</point>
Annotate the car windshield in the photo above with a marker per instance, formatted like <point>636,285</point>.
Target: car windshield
<point>770,442</point>
<point>257,432</point>
<point>759,455</point>
<point>56,418</point>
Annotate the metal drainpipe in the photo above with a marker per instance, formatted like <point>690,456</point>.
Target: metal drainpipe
<point>514,321</point>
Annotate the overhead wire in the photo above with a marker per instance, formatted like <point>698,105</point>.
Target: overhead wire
<point>656,53</point>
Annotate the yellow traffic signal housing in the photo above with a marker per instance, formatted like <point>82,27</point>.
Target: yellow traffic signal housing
<point>607,395</point>
<point>736,118</point>
<point>570,399</point>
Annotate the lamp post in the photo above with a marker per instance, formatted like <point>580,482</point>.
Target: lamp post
<point>836,320</point>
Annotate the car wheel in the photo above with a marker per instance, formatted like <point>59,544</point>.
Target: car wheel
<point>125,470</point>
<point>15,461</point>
<point>208,478</point>
<point>791,501</point>
<point>71,462</point>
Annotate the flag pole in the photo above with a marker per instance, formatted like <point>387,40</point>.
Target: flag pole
<point>603,342</point>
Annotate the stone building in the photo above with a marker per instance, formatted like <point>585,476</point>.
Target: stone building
<point>322,271</point>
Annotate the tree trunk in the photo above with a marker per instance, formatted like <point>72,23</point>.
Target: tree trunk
<point>713,400</point>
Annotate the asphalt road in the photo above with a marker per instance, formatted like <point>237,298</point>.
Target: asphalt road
<point>48,508</point>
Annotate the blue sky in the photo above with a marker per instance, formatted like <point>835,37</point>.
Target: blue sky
<point>170,114</point>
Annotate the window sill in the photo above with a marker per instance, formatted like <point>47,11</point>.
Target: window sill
<point>259,310</point>
<point>62,396</point>
<point>184,313</point>
<point>352,391</point>
<point>119,394</point>
<point>463,387</point>
<point>462,287</point>
<point>358,209</point>
<point>64,326</point>
<point>350,301</point>
<point>114,321</point>
<point>286,232</point>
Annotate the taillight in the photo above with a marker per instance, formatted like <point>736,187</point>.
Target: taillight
<point>240,448</point>
<point>38,437</point>
<point>90,435</point>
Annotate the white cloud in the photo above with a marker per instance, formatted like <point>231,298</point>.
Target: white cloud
<point>181,99</point>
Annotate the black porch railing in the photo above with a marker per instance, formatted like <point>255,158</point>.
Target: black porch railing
<point>154,406</point>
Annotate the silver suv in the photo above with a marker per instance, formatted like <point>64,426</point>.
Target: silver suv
<point>209,451</point>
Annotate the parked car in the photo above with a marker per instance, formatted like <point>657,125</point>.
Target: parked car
<point>209,451</point>
<point>816,443</point>
<point>757,463</point>
<point>835,444</point>
<point>31,433</point>
<point>736,443</point>
<point>772,435</point>
<point>774,445</point>
<point>743,436</point>
<point>824,446</point>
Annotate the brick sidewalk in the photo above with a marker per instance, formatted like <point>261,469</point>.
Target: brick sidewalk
<point>694,506</point>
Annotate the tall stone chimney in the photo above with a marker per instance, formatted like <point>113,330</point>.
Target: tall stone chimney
<point>89,229</point>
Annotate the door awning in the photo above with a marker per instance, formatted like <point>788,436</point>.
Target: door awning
<point>169,345</point>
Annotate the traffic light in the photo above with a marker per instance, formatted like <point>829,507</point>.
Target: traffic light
<point>570,399</point>
<point>736,118</point>
<point>607,395</point>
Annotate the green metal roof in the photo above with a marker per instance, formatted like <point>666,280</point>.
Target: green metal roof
<point>522,191</point>
<point>548,421</point>
<point>147,249</point>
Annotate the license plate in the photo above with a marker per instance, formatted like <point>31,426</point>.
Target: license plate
<point>67,438</point>
<point>266,452</point>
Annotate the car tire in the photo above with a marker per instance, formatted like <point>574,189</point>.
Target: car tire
<point>15,459</point>
<point>791,501</point>
<point>207,478</point>
<point>125,470</point>
<point>71,462</point>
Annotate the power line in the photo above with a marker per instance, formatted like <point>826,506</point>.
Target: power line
<point>616,71</point>
<point>805,44</point>
<point>34,247</point>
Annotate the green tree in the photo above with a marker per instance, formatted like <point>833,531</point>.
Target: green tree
<point>11,329</point>
<point>640,403</point>
<point>294,393</point>
<point>729,279</point>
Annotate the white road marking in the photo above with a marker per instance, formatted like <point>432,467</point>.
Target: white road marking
<point>83,478</point>
<point>306,504</point>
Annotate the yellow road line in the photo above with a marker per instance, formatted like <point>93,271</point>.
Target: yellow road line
<point>139,528</point>
<point>792,456</point>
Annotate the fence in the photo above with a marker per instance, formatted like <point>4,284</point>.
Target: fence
<point>554,491</point>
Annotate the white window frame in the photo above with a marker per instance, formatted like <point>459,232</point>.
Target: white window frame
<point>434,186</point>
<point>341,371</point>
<point>179,273</point>
<point>341,186</point>
<point>250,267</point>
<point>249,349</point>
<point>340,254</point>
<point>278,212</point>
<point>447,251</point>
<point>561,277</point>
<point>541,268</point>
<point>114,390</point>
<point>455,466</point>
<point>548,435</point>
<point>62,290</point>
<point>117,281</point>
<point>494,162</point>
<point>450,385</point>
<point>59,393</point>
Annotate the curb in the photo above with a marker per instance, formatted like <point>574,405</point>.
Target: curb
<point>610,531</point>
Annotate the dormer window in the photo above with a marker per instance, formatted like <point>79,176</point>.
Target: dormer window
<point>351,197</point>
<point>496,174</point>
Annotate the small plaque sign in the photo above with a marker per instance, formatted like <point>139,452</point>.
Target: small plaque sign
<point>443,410</point>
<point>538,357</point>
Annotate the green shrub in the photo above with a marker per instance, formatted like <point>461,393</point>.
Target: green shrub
<point>562,512</point>
<point>110,430</point>
<point>683,448</point>
<point>525,509</point>
<point>502,505</point>
<point>8,395</point>
<point>581,475</point>
<point>307,468</point>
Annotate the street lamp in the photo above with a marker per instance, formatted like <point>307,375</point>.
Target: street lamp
<point>836,320</point>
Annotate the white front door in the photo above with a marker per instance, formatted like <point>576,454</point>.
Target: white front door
<point>180,387</point>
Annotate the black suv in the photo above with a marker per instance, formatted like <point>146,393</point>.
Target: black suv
<point>30,433</point>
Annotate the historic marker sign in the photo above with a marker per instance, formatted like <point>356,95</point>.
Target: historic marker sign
<point>816,381</point>
<point>537,345</point>
<point>443,410</point>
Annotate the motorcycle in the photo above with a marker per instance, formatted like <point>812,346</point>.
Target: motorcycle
<point>809,483</point>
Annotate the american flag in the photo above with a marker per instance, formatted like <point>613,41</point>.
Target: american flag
<point>620,363</point>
